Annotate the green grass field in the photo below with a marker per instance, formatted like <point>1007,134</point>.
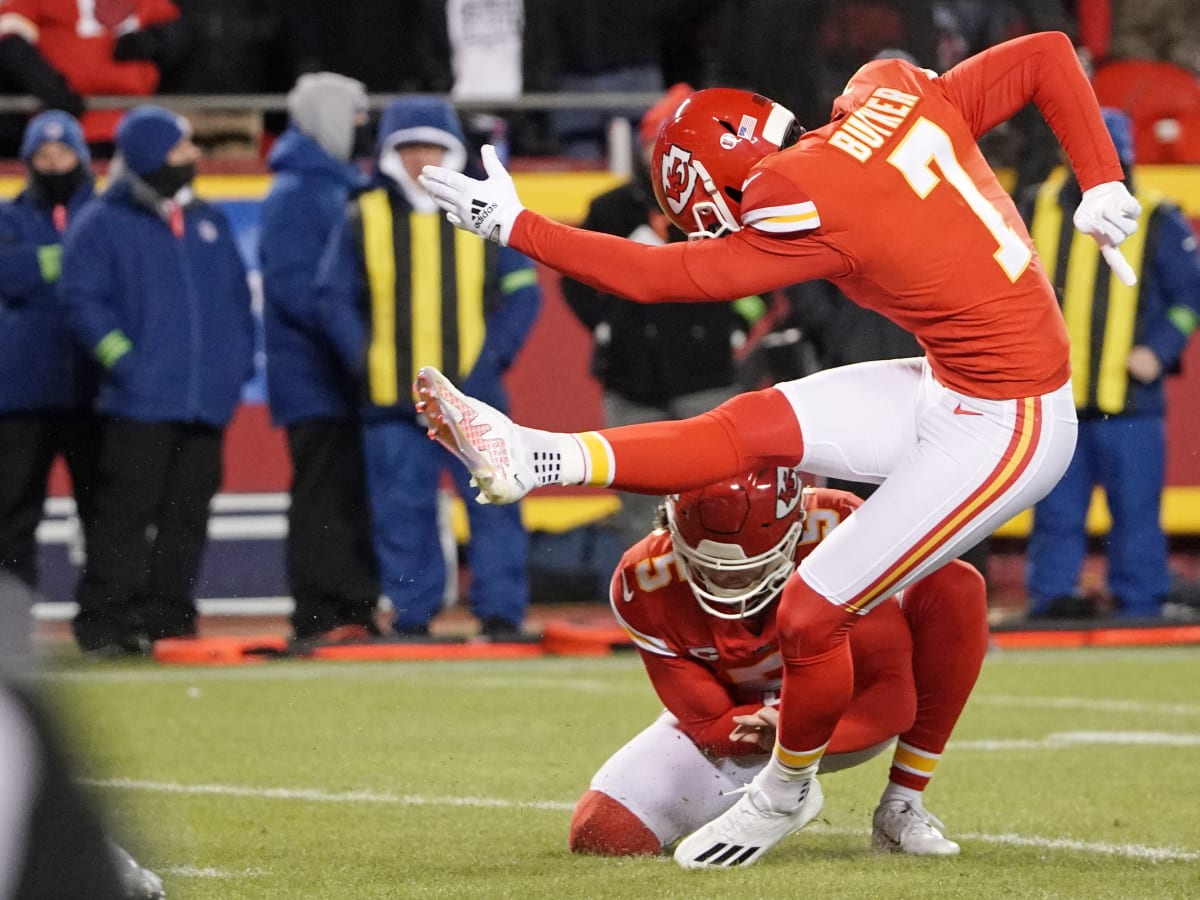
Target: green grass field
<point>1072,775</point>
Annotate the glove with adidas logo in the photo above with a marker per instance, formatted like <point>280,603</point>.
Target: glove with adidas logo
<point>1109,213</point>
<point>489,208</point>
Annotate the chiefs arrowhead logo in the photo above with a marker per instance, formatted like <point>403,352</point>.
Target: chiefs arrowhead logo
<point>678,178</point>
<point>788,491</point>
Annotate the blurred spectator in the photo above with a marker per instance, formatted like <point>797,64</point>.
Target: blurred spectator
<point>233,47</point>
<point>1164,30</point>
<point>331,567</point>
<point>1123,342</point>
<point>487,60</point>
<point>52,841</point>
<point>61,51</point>
<point>157,291</point>
<point>752,38</point>
<point>46,385</point>
<point>655,362</point>
<point>398,289</point>
<point>391,46</point>
<point>486,43</point>
<point>853,32</point>
<point>598,46</point>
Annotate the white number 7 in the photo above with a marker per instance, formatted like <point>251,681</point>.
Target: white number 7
<point>925,143</point>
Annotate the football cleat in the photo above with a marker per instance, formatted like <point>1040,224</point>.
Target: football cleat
<point>900,827</point>
<point>484,439</point>
<point>747,830</point>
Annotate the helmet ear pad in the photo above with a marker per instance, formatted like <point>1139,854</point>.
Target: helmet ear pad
<point>736,539</point>
<point>705,151</point>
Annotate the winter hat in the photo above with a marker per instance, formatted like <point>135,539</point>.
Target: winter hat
<point>654,117</point>
<point>146,135</point>
<point>423,120</point>
<point>54,125</point>
<point>323,105</point>
<point>1120,129</point>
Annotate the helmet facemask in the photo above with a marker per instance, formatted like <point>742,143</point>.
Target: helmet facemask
<point>735,541</point>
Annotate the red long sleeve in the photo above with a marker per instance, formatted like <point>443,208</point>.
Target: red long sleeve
<point>992,86</point>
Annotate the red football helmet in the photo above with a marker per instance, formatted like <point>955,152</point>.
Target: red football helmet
<point>705,151</point>
<point>736,540</point>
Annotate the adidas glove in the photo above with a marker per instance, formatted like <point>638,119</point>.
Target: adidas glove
<point>1109,213</point>
<point>488,208</point>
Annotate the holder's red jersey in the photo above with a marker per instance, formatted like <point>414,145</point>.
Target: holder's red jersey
<point>77,38</point>
<point>893,202</point>
<point>706,669</point>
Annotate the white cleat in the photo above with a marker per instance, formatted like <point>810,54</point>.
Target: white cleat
<point>745,831</point>
<point>900,827</point>
<point>486,440</point>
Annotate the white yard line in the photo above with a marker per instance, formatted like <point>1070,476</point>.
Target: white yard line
<point>316,795</point>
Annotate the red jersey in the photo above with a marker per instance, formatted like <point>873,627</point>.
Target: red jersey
<point>706,669</point>
<point>893,202</point>
<point>77,38</point>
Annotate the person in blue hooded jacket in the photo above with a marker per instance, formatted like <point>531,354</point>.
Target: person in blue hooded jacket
<point>398,289</point>
<point>1124,342</point>
<point>46,385</point>
<point>329,557</point>
<point>156,290</point>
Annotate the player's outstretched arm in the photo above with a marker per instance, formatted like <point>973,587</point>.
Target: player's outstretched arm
<point>990,87</point>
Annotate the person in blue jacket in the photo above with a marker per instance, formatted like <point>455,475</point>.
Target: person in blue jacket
<point>46,385</point>
<point>330,560</point>
<point>1124,341</point>
<point>398,288</point>
<point>156,290</point>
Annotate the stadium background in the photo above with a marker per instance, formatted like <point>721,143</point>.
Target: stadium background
<point>244,561</point>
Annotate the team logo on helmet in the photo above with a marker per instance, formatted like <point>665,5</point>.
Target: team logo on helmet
<point>788,490</point>
<point>678,178</point>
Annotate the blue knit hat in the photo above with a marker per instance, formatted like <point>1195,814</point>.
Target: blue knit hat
<point>1120,129</point>
<point>146,135</point>
<point>54,126</point>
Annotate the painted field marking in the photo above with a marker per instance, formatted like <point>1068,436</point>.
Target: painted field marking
<point>1061,740</point>
<point>208,872</point>
<point>316,795</point>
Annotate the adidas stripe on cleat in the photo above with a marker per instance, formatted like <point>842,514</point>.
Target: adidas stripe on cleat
<point>747,830</point>
<point>484,439</point>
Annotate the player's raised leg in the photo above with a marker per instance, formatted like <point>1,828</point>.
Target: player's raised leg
<point>508,460</point>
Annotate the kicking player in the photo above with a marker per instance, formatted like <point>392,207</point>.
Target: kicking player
<point>893,202</point>
<point>698,596</point>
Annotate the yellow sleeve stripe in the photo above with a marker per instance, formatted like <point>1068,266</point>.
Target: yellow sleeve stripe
<point>798,759</point>
<point>913,760</point>
<point>598,459</point>
<point>647,642</point>
<point>15,23</point>
<point>782,219</point>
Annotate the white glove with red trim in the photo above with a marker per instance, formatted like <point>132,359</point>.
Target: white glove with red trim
<point>1109,213</point>
<point>488,208</point>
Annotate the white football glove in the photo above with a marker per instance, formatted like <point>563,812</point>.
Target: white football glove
<point>1109,213</point>
<point>488,208</point>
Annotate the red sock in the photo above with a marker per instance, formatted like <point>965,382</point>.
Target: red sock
<point>818,670</point>
<point>751,430</point>
<point>603,826</point>
<point>947,614</point>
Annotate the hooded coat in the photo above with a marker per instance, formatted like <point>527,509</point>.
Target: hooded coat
<point>40,366</point>
<point>183,302</point>
<point>306,202</point>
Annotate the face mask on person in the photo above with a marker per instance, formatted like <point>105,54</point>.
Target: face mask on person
<point>364,142</point>
<point>168,180</point>
<point>57,188</point>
